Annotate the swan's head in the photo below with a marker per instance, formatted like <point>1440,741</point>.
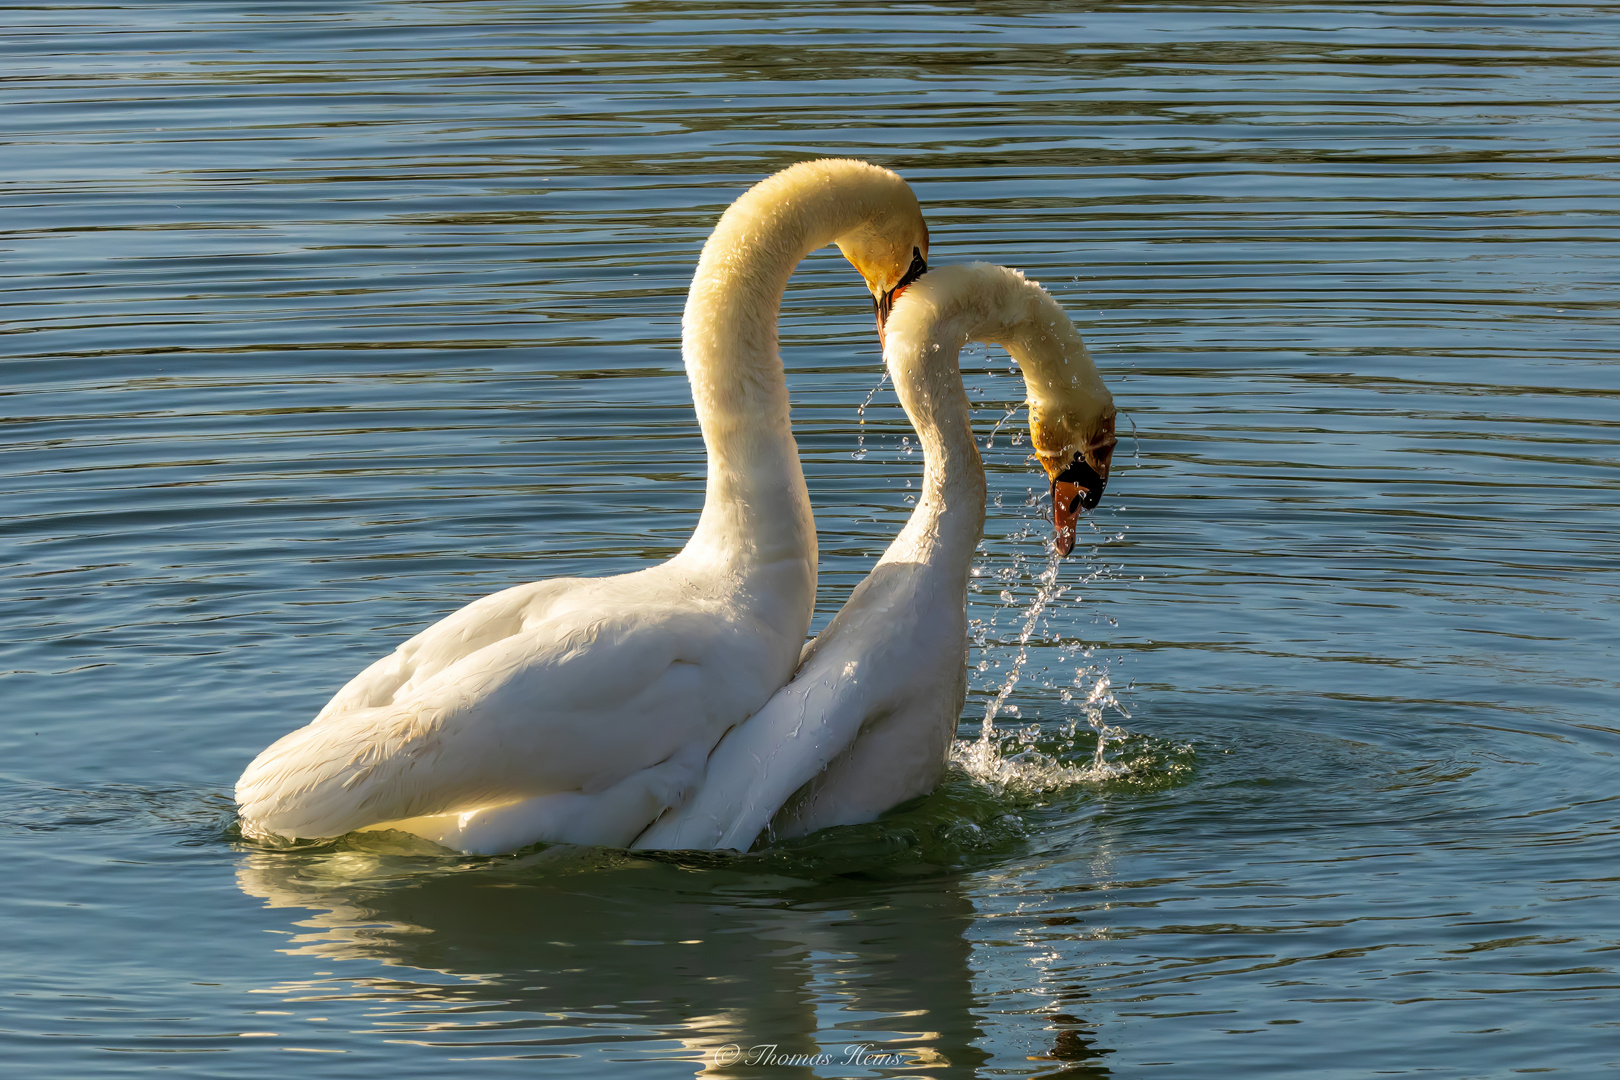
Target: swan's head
<point>870,212</point>
<point>890,252</point>
<point>1071,412</point>
<point>1073,433</point>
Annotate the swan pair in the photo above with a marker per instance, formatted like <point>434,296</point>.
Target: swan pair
<point>655,708</point>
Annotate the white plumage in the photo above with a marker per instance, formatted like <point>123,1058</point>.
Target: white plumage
<point>580,709</point>
<point>868,719</point>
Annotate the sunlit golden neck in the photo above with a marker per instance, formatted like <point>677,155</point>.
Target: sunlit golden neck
<point>756,504</point>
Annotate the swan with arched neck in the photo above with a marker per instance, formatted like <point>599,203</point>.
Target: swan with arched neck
<point>595,701</point>
<point>868,719</point>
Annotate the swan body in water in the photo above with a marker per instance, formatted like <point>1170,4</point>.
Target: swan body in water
<point>868,720</point>
<point>591,704</point>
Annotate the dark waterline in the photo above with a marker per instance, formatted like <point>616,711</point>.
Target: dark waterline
<point>320,322</point>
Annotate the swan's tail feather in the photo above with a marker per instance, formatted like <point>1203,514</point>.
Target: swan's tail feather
<point>327,779</point>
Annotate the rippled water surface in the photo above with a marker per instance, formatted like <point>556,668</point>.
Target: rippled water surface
<point>321,320</point>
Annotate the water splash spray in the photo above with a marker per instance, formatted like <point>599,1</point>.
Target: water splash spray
<point>1046,591</point>
<point>1009,759</point>
<point>1024,757</point>
<point>859,453</point>
<point>1012,412</point>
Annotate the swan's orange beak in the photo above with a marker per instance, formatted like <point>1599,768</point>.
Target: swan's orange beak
<point>883,303</point>
<point>1078,480</point>
<point>1078,487</point>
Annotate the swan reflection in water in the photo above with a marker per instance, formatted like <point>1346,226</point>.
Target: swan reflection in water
<point>570,951</point>
<point>576,946</point>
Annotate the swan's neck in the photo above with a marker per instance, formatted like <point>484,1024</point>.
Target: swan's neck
<point>947,308</point>
<point>945,527</point>
<point>756,512</point>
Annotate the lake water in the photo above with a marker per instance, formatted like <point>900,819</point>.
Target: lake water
<point>321,320</point>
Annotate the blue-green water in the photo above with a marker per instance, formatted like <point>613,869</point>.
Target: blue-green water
<point>321,320</point>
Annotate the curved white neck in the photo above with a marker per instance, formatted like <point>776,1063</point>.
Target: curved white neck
<point>945,527</point>
<point>947,308</point>
<point>757,509</point>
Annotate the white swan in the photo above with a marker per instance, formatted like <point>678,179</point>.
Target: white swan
<point>580,709</point>
<point>867,721</point>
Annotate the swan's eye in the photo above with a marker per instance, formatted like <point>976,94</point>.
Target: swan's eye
<point>918,267</point>
<point>1088,479</point>
<point>885,303</point>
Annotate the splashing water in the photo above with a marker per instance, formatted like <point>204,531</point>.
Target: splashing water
<point>1101,696</point>
<point>1047,590</point>
<point>1031,759</point>
<point>990,439</point>
<point>859,453</point>
<point>983,758</point>
<point>1012,761</point>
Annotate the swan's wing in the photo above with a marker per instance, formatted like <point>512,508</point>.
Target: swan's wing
<point>612,817</point>
<point>760,763</point>
<point>894,759</point>
<point>453,638</point>
<point>577,702</point>
<point>890,661</point>
<point>807,651</point>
